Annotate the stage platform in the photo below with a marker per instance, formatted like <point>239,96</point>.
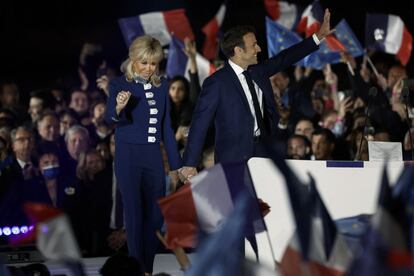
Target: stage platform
<point>163,263</point>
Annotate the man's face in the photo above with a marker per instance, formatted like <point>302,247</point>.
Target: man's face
<point>23,145</point>
<point>10,95</point>
<point>65,123</point>
<point>48,128</point>
<point>304,128</point>
<point>35,108</point>
<point>296,148</point>
<point>76,144</point>
<point>79,102</point>
<point>321,147</point>
<point>249,54</point>
<point>394,74</point>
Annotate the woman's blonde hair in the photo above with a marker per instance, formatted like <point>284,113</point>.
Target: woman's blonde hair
<point>143,48</point>
<point>82,169</point>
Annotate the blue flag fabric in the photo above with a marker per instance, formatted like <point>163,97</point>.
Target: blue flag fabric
<point>219,254</point>
<point>177,59</point>
<point>280,38</point>
<point>347,37</point>
<point>299,198</point>
<point>404,192</point>
<point>320,211</point>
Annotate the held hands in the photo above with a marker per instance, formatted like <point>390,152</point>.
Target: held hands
<point>325,28</point>
<point>185,173</point>
<point>122,100</point>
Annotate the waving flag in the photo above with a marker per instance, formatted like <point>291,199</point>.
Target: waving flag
<point>310,23</point>
<point>284,13</point>
<point>54,236</point>
<point>347,37</point>
<point>206,204</point>
<point>385,247</point>
<point>327,254</point>
<point>178,63</point>
<point>280,38</point>
<point>211,29</point>
<point>219,254</point>
<point>311,19</point>
<point>388,33</point>
<point>157,24</point>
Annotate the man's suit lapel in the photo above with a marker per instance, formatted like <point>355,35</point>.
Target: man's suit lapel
<point>233,77</point>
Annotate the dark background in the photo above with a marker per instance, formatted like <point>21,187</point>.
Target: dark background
<point>41,41</point>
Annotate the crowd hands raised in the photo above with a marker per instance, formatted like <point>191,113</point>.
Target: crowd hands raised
<point>59,150</point>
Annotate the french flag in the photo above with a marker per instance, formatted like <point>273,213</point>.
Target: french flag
<point>157,24</point>
<point>386,244</point>
<point>326,253</point>
<point>206,203</point>
<point>388,33</point>
<point>211,29</point>
<point>178,63</point>
<point>310,22</point>
<point>284,13</point>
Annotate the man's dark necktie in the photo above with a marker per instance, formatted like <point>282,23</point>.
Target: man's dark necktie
<point>257,111</point>
<point>28,171</point>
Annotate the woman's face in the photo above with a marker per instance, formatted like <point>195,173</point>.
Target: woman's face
<point>48,160</point>
<point>177,91</point>
<point>94,163</point>
<point>145,68</point>
<point>99,111</point>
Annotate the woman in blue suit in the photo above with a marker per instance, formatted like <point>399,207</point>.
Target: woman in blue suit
<point>138,103</point>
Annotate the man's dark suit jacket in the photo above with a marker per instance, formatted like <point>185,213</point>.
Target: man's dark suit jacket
<point>223,100</point>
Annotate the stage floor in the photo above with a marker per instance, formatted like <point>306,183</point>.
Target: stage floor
<point>163,263</point>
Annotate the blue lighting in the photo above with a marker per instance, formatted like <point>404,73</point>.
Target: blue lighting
<point>24,229</point>
<point>6,231</point>
<point>15,230</point>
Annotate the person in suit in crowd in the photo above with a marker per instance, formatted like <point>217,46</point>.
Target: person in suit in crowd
<point>139,105</point>
<point>24,165</point>
<point>241,92</point>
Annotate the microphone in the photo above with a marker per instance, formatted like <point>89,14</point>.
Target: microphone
<point>405,95</point>
<point>372,93</point>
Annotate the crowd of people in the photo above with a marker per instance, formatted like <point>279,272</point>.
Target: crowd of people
<point>60,149</point>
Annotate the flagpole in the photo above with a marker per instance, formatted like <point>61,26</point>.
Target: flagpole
<point>263,221</point>
<point>351,70</point>
<point>372,65</point>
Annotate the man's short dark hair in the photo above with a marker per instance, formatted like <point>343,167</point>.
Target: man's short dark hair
<point>120,264</point>
<point>329,136</point>
<point>234,37</point>
<point>300,137</point>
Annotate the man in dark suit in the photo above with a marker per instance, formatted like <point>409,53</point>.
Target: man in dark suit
<point>239,98</point>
